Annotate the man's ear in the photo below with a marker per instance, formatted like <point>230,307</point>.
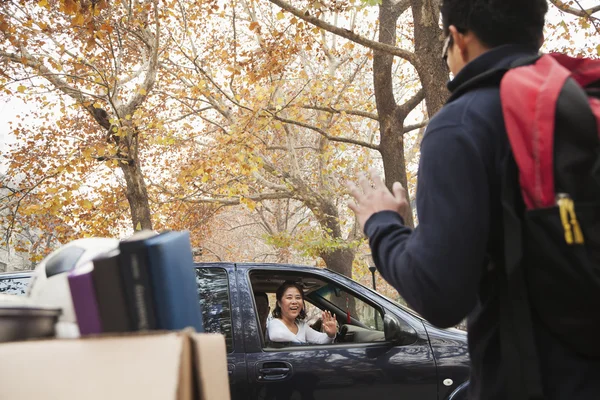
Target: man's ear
<point>461,41</point>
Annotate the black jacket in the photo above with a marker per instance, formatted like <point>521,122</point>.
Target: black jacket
<point>441,268</point>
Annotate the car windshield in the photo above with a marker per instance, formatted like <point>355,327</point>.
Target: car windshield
<point>14,284</point>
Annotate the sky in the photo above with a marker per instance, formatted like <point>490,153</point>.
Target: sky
<point>10,107</point>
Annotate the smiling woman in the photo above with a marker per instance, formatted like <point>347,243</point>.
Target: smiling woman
<point>288,323</point>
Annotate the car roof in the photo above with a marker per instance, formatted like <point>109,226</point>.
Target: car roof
<point>16,274</point>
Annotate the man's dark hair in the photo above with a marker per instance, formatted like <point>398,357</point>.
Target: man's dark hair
<point>497,22</point>
<point>279,295</point>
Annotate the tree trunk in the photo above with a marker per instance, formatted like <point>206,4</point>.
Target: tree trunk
<point>390,121</point>
<point>432,70</point>
<point>340,260</point>
<point>394,163</point>
<point>137,195</point>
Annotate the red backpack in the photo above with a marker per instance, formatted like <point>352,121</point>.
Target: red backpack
<point>551,205</point>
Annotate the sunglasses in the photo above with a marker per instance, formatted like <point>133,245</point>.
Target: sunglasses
<point>448,42</point>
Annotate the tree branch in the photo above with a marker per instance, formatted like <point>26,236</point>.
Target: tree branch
<point>153,41</point>
<point>405,109</point>
<point>401,6</point>
<point>345,33</point>
<point>325,134</point>
<point>420,125</point>
<point>29,61</point>
<point>332,110</point>
<point>581,12</point>
<point>232,201</point>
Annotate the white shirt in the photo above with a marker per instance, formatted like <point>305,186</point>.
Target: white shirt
<point>278,332</point>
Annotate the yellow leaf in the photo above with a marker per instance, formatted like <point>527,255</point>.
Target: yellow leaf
<point>142,91</point>
<point>280,15</point>
<point>138,227</point>
<point>87,204</point>
<point>21,89</point>
<point>78,20</point>
<point>128,117</point>
<point>97,105</point>
<point>43,3</point>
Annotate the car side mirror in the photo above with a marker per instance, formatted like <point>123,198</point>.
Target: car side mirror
<point>397,331</point>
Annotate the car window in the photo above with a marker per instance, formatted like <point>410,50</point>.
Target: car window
<point>14,285</point>
<point>313,314</point>
<point>355,308</point>
<point>213,291</point>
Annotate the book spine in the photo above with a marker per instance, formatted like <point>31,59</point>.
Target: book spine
<point>108,285</point>
<point>136,285</point>
<point>174,282</point>
<point>85,303</point>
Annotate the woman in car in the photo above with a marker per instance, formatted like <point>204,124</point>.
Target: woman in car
<point>288,325</point>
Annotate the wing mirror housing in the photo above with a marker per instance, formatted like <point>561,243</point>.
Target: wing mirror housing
<point>397,331</point>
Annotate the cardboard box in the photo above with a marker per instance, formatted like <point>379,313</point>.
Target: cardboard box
<point>163,366</point>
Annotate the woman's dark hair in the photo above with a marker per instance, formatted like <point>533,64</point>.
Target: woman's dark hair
<point>279,295</point>
<point>497,22</point>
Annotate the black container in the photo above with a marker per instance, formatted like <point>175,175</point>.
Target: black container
<point>23,322</point>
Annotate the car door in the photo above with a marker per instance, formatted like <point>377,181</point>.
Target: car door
<point>378,370</point>
<point>217,291</point>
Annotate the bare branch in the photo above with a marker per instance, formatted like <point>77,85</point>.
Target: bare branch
<point>332,110</point>
<point>420,125</point>
<point>401,6</point>
<point>150,77</point>
<point>405,109</point>
<point>270,185</point>
<point>581,12</point>
<point>28,60</point>
<point>345,33</point>
<point>231,201</point>
<point>325,134</point>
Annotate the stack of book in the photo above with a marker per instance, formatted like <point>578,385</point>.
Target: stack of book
<point>148,283</point>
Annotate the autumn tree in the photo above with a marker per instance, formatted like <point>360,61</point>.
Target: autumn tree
<point>85,154</point>
<point>287,102</point>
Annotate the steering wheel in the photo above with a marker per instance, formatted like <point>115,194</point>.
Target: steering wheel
<point>342,333</point>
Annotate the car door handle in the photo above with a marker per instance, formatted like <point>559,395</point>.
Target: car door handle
<point>273,371</point>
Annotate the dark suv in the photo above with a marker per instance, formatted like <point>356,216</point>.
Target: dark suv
<point>382,350</point>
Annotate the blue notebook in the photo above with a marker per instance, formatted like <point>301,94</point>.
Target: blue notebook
<point>173,281</point>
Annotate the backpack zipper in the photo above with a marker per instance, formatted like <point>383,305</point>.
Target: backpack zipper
<point>566,207</point>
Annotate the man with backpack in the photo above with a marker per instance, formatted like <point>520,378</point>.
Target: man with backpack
<point>508,199</point>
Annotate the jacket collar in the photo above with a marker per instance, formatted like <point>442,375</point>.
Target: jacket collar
<point>488,68</point>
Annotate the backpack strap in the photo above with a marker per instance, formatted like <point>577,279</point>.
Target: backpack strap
<point>517,340</point>
<point>529,95</point>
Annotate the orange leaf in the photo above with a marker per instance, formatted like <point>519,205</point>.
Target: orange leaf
<point>70,6</point>
<point>78,20</point>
